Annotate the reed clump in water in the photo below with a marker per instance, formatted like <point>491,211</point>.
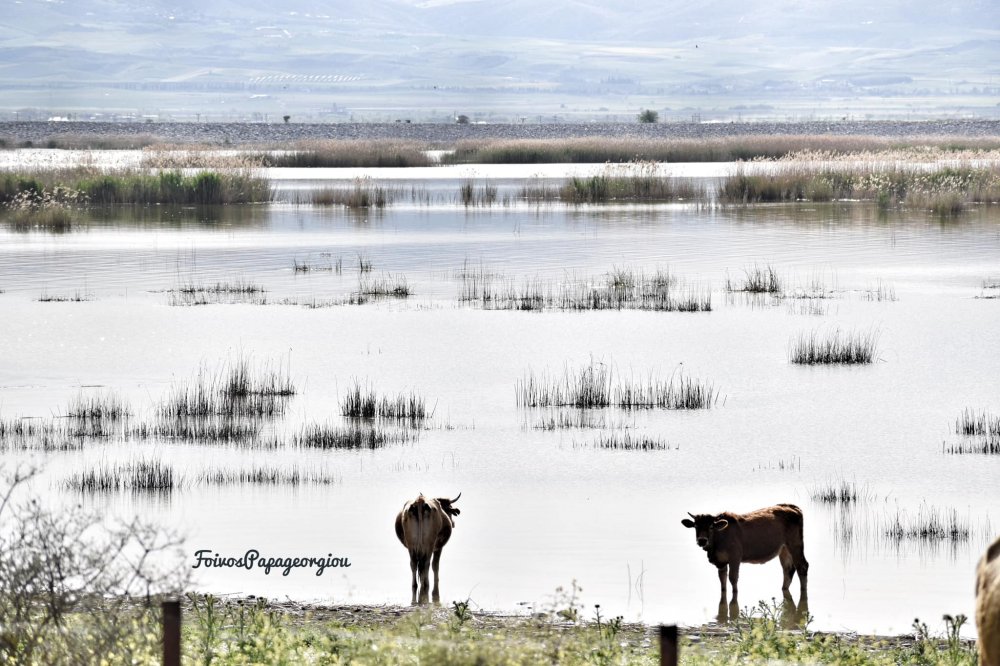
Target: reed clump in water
<point>364,403</point>
<point>945,190</point>
<point>387,286</point>
<point>36,208</point>
<point>323,436</point>
<point>77,297</point>
<point>757,279</point>
<point>137,476</point>
<point>837,347</point>
<point>977,423</point>
<point>839,492</point>
<point>110,406</point>
<point>598,150</point>
<point>471,194</point>
<point>980,431</point>
<point>46,435</point>
<point>622,288</point>
<point>238,389</point>
<point>365,192</point>
<point>266,475</point>
<point>236,291</point>
<point>633,182</point>
<point>138,186</point>
<point>593,386</point>
<point>627,441</point>
<point>929,524</point>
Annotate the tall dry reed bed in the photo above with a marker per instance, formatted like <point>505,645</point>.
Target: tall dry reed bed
<point>102,187</point>
<point>596,150</point>
<point>318,153</point>
<point>594,385</point>
<point>630,182</point>
<point>835,347</point>
<point>944,190</point>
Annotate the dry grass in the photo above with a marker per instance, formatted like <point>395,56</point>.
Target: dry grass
<point>596,150</point>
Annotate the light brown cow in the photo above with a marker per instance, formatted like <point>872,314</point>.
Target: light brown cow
<point>424,527</point>
<point>988,606</point>
<point>730,539</point>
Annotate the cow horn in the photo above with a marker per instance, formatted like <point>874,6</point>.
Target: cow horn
<point>456,499</point>
<point>692,515</point>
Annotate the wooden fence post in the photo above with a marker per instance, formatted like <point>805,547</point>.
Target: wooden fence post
<point>171,633</point>
<point>668,645</point>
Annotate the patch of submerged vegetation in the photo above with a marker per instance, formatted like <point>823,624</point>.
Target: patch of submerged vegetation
<point>138,186</point>
<point>237,291</point>
<point>628,441</point>
<point>266,475</point>
<point>77,297</point>
<point>836,347</point>
<point>594,386</point>
<point>619,289</point>
<point>332,266</point>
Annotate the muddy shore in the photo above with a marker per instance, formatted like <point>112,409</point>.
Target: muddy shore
<point>263,133</point>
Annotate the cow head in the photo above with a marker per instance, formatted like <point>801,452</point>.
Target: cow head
<point>705,528</point>
<point>447,505</point>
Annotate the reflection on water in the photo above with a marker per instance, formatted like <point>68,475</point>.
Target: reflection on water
<point>542,505</point>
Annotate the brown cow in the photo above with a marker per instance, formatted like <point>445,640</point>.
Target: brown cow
<point>424,527</point>
<point>756,537</point>
<point>988,606</point>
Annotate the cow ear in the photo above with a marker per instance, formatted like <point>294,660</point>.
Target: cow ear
<point>720,524</point>
<point>687,523</point>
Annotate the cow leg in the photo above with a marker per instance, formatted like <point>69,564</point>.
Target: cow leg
<point>413,573</point>
<point>434,564</point>
<point>734,576</point>
<point>722,579</point>
<point>787,567</point>
<point>801,565</point>
<point>425,579</point>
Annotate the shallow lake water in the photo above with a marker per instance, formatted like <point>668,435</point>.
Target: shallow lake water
<point>541,506</point>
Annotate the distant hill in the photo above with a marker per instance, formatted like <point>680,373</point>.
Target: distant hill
<point>386,50</point>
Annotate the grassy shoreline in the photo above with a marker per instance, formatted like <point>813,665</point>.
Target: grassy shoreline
<point>255,630</point>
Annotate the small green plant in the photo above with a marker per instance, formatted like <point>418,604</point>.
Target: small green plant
<point>461,612</point>
<point>649,116</point>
